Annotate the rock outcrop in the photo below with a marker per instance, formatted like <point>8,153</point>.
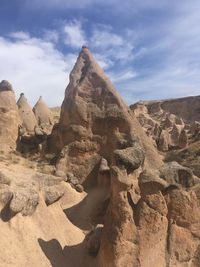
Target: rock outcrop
<point>172,124</point>
<point>43,115</point>
<point>95,123</point>
<point>8,117</point>
<point>28,120</point>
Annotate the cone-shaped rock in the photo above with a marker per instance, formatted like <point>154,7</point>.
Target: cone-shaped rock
<point>27,117</point>
<point>43,115</point>
<point>96,121</point>
<point>8,117</point>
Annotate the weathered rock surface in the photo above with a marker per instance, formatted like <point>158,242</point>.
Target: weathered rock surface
<point>28,120</point>
<point>96,123</point>
<point>43,115</point>
<point>22,196</point>
<point>177,120</point>
<point>8,117</point>
<point>119,237</point>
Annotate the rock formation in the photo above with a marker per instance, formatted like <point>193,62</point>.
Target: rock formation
<point>95,123</point>
<point>28,121</point>
<point>43,115</point>
<point>177,120</point>
<point>110,200</point>
<point>8,117</point>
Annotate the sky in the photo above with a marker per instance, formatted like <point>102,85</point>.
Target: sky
<point>150,49</point>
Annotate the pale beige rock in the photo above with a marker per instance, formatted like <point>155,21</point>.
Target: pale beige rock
<point>53,193</point>
<point>119,237</point>
<point>43,115</point>
<point>163,141</point>
<point>28,120</point>
<point>9,119</point>
<point>94,122</point>
<point>152,231</point>
<point>178,117</point>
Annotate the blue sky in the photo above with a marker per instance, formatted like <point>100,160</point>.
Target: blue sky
<point>150,49</point>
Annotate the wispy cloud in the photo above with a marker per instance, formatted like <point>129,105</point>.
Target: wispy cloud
<point>120,77</point>
<point>105,38</point>
<point>110,44</point>
<point>51,35</point>
<point>20,35</point>
<point>74,34</point>
<point>35,67</point>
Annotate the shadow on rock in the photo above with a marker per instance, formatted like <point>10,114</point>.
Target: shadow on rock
<point>69,256</point>
<point>90,211</point>
<point>6,214</point>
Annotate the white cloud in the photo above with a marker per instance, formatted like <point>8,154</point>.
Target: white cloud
<point>20,35</point>
<point>111,45</point>
<point>74,34</point>
<point>122,76</point>
<point>36,68</point>
<point>51,35</point>
<point>105,39</point>
<point>103,61</point>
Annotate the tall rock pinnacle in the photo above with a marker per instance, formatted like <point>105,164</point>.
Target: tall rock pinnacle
<point>96,129</point>
<point>43,115</point>
<point>93,109</point>
<point>27,118</point>
<point>8,117</point>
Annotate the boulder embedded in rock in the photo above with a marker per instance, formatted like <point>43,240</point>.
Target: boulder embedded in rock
<point>173,173</point>
<point>150,182</point>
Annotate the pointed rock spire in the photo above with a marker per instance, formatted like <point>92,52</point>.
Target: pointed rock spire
<point>27,118</point>
<point>94,111</point>
<point>43,115</point>
<point>8,117</point>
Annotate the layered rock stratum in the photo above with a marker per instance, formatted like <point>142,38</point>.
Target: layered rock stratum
<point>98,193</point>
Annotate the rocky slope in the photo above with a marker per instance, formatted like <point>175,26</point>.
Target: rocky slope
<point>105,197</point>
<point>174,126</point>
<point>172,123</point>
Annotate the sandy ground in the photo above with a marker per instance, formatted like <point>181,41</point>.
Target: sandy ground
<point>52,236</point>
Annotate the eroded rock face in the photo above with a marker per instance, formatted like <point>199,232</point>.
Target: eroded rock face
<point>167,219</point>
<point>172,124</point>
<point>96,123</point>
<point>27,118</point>
<point>22,195</point>
<point>43,115</point>
<point>119,239</point>
<point>8,117</point>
